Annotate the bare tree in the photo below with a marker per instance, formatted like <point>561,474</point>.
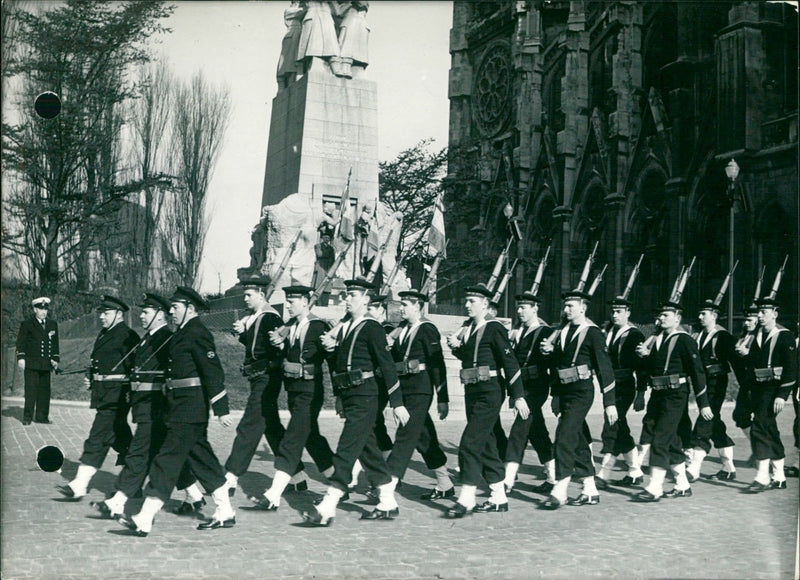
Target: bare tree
<point>202,113</point>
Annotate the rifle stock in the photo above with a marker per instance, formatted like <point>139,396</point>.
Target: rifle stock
<point>282,267</point>
<point>498,266</point>
<point>537,281</point>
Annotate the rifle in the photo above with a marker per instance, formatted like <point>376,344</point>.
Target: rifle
<point>80,371</point>
<point>632,279</point>
<point>393,274</point>
<point>677,281</point>
<point>501,287</point>
<point>758,285</point>
<point>537,281</point>
<point>597,281</point>
<point>586,267</point>
<point>777,284</point>
<point>499,265</point>
<point>684,279</point>
<point>282,267</point>
<point>329,275</point>
<point>345,198</point>
<point>426,286</point>
<point>725,283</point>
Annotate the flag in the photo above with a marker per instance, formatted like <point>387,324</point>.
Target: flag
<point>436,237</point>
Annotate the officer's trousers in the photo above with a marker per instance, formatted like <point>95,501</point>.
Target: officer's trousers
<point>37,395</point>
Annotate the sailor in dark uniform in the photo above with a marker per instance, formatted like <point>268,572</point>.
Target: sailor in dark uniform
<point>773,356</point>
<point>672,364</point>
<point>377,310</point>
<point>483,349</point>
<point>194,386</point>
<point>740,363</point>
<point>716,350</point>
<point>354,355</point>
<point>535,373</point>
<point>417,352</point>
<point>302,378</point>
<point>109,380</point>
<point>262,367</point>
<point>621,341</point>
<point>37,357</point>
<point>577,352</point>
<point>150,361</point>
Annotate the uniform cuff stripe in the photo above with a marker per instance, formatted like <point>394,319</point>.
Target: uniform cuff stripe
<point>701,393</point>
<point>515,378</point>
<point>218,396</point>
<point>610,387</point>
<point>394,388</point>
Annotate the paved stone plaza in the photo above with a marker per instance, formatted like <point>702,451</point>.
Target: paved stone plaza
<point>718,533</point>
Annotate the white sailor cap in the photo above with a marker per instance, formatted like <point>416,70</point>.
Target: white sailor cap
<point>40,300</point>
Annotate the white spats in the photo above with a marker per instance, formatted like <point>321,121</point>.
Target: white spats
<point>777,470</point>
<point>357,469</point>
<point>726,454</point>
<point>498,493</point>
<point>589,486</point>
<point>550,468</point>
<point>117,503</point>
<point>693,469</point>
<point>467,496</point>
<point>607,464</point>
<point>279,483</point>
<point>327,507</point>
<point>224,509</point>
<point>80,484</point>
<point>762,473</point>
<point>386,494</point>
<point>656,485</point>
<point>681,481</point>
<point>511,474</point>
<point>560,489</point>
<point>192,494</point>
<point>634,461</point>
<point>150,507</point>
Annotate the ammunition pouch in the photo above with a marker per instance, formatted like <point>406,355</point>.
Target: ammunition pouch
<point>574,374</point>
<point>258,368</point>
<point>715,370</point>
<point>476,375</point>
<point>350,379</point>
<point>768,374</point>
<point>530,373</point>
<point>409,367</point>
<point>665,382</point>
<point>296,370</point>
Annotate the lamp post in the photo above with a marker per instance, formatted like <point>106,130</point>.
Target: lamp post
<point>732,171</point>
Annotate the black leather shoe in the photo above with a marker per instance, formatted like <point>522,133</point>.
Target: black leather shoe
<point>757,487</point>
<point>345,497</point>
<point>487,507</point>
<point>551,503</point>
<point>377,514</point>
<point>723,475</point>
<point>103,509</point>
<point>600,483</point>
<point>629,481</point>
<point>791,471</point>
<point>544,488</point>
<point>646,497</point>
<point>373,494</point>
<point>67,492</point>
<point>26,421</point>
<point>584,499</point>
<point>457,511</point>
<point>127,522</point>
<point>298,487</point>
<point>214,524</point>
<point>778,484</point>
<point>45,422</point>
<point>189,509</point>
<point>316,519</point>
<point>673,493</point>
<point>435,494</point>
<point>262,503</point>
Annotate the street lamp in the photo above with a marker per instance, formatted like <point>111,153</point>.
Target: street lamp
<point>732,171</point>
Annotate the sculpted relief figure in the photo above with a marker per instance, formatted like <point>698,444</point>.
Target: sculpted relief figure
<point>318,40</point>
<point>287,63</point>
<point>353,38</point>
<point>258,251</point>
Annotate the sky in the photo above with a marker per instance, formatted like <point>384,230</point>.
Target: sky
<point>238,44</point>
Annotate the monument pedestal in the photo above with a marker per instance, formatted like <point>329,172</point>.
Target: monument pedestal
<point>322,126</point>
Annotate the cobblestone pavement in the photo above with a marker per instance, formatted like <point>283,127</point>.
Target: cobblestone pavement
<point>718,533</point>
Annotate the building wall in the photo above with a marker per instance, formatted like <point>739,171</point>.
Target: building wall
<point>612,122</point>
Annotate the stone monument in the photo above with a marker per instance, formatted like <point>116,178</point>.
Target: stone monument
<point>323,128</point>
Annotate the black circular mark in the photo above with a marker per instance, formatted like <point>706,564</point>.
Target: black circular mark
<point>49,458</point>
<point>47,105</point>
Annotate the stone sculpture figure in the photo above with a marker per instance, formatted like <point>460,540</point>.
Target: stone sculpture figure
<point>353,38</point>
<point>258,251</point>
<point>318,39</point>
<point>287,62</point>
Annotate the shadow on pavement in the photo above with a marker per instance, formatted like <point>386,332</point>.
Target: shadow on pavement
<point>13,412</point>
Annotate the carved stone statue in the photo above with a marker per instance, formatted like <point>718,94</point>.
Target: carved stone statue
<point>353,38</point>
<point>258,251</point>
<point>318,36</point>
<point>287,63</point>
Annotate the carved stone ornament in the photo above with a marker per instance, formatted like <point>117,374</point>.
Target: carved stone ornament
<point>491,93</point>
